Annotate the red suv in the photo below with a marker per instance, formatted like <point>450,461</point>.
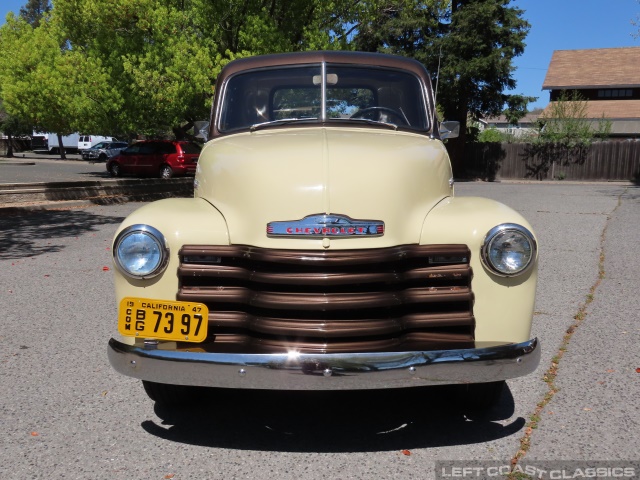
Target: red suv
<point>156,158</point>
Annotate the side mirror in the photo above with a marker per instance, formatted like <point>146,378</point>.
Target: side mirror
<point>449,129</point>
<point>201,129</point>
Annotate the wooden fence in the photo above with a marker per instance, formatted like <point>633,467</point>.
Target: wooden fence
<point>600,161</point>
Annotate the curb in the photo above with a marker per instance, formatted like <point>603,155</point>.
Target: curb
<point>13,162</point>
<point>56,195</point>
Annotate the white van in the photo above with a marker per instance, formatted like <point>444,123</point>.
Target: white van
<point>88,141</point>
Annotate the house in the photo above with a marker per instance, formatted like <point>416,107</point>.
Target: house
<point>608,78</point>
<point>524,127</point>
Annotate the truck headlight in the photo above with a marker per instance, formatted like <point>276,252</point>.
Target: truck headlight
<point>508,249</point>
<point>140,251</point>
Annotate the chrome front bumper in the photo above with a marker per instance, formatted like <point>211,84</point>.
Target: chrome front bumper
<point>344,371</point>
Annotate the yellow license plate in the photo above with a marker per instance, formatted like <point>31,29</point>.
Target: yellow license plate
<point>178,321</point>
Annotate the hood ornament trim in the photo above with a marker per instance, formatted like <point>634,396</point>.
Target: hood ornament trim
<point>323,225</point>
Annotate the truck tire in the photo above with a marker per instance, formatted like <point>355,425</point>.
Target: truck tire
<point>169,395</point>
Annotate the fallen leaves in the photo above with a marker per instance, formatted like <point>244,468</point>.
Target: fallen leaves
<point>34,434</point>
<point>637,370</point>
<point>105,269</point>
<point>406,452</point>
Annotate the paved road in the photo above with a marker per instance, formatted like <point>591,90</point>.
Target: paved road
<point>67,414</point>
<point>49,168</point>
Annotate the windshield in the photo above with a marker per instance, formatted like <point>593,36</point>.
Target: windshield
<point>354,95</point>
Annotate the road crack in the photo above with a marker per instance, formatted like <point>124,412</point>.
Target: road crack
<point>551,373</point>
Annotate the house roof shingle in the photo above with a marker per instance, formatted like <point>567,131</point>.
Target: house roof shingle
<point>600,67</point>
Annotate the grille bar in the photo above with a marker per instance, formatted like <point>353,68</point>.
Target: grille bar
<point>326,301</point>
<point>389,299</point>
<point>443,273</point>
<point>224,321</point>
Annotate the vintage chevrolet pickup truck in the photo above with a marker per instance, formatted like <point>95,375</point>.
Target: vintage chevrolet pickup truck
<point>324,248</point>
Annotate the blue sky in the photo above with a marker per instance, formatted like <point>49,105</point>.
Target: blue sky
<point>555,25</point>
<point>569,25</point>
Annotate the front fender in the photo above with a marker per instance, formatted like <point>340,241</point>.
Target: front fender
<point>503,307</point>
<point>182,221</point>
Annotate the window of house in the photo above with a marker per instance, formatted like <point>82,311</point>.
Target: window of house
<point>615,93</point>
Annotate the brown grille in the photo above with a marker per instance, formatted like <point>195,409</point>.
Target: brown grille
<point>412,297</point>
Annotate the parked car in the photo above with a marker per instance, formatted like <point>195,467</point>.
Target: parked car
<point>156,158</point>
<point>103,151</point>
<point>324,248</point>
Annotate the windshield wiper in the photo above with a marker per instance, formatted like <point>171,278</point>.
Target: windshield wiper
<point>373,122</point>
<point>282,121</point>
<point>285,121</point>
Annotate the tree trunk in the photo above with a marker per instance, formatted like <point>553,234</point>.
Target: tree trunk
<point>455,146</point>
<point>9,146</point>
<point>180,132</point>
<point>63,155</point>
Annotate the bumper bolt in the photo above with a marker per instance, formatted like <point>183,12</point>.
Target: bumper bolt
<point>327,372</point>
<point>242,372</point>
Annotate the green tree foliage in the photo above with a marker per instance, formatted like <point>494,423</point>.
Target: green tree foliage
<point>473,42</point>
<point>491,135</point>
<point>149,66</point>
<point>12,127</point>
<point>46,83</point>
<point>162,56</point>
<point>566,122</point>
<point>564,136</point>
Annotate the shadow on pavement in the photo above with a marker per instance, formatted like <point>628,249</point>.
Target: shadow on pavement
<point>362,421</point>
<point>22,234</point>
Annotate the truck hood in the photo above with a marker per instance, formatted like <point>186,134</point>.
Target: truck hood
<point>285,175</point>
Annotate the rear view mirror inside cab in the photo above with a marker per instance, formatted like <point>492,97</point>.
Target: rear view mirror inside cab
<point>332,79</point>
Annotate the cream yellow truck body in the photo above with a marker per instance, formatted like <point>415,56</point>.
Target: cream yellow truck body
<point>250,179</point>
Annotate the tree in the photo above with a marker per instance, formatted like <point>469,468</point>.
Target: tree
<point>491,135</point>
<point>566,122</point>
<point>149,66</point>
<point>34,11</point>
<point>163,56</point>
<point>47,84</point>
<point>12,127</point>
<point>473,42</point>
<point>565,134</point>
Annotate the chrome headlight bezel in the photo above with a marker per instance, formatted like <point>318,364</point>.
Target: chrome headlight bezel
<point>158,241</point>
<point>499,231</point>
